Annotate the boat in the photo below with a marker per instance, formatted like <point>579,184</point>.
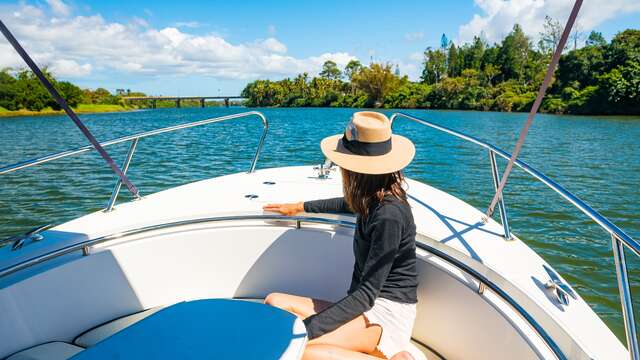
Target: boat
<point>483,293</point>
<point>117,274</point>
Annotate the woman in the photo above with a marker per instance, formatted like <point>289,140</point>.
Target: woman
<point>376,318</point>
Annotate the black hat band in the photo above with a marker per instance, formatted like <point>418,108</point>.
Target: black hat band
<point>366,148</point>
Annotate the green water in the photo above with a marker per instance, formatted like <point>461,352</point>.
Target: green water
<point>596,158</point>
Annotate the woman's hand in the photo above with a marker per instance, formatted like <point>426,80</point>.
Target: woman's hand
<point>285,209</point>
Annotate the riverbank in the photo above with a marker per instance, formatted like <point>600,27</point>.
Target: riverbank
<point>80,109</point>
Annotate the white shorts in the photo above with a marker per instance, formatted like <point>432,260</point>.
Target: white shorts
<point>396,320</point>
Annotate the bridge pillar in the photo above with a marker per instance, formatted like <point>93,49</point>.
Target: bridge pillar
<point>153,104</point>
<point>226,102</point>
<point>177,103</point>
<point>202,102</point>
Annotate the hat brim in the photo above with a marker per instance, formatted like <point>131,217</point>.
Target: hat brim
<point>401,154</point>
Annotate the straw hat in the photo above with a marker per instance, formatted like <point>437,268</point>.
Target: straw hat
<point>368,146</point>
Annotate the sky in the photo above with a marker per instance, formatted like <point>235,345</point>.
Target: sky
<point>211,48</point>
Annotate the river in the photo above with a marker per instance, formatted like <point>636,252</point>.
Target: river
<point>596,158</point>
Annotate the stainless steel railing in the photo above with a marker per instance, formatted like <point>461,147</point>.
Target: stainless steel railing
<point>618,237</point>
<point>135,138</point>
<point>484,281</point>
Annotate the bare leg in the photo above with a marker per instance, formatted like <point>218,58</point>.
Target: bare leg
<point>330,352</point>
<point>300,306</point>
<point>356,336</point>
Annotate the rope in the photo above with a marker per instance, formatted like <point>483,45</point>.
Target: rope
<point>536,105</point>
<point>63,104</point>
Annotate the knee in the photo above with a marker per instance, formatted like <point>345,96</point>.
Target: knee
<point>275,299</point>
<point>314,352</point>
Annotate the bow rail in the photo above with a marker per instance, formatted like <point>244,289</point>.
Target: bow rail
<point>618,237</point>
<point>134,139</point>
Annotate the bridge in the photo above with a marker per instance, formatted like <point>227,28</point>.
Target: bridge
<point>179,99</point>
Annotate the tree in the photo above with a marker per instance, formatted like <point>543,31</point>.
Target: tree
<point>576,35</point>
<point>71,93</point>
<point>472,55</point>
<point>376,81</point>
<point>490,57</point>
<point>323,91</point>
<point>621,87</point>
<point>435,66</point>
<point>444,42</point>
<point>596,39</point>
<point>30,94</point>
<point>352,68</point>
<point>513,53</point>
<point>408,96</point>
<point>624,47</point>
<point>8,91</point>
<point>263,93</point>
<point>550,36</point>
<point>489,73</point>
<point>453,68</point>
<point>330,71</point>
<point>580,66</point>
<point>597,78</point>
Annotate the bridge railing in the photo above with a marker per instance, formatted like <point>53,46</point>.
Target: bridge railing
<point>178,99</point>
<point>619,238</point>
<point>134,139</point>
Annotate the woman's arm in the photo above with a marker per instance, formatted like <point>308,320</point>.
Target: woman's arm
<point>385,243</point>
<point>285,209</point>
<point>335,205</point>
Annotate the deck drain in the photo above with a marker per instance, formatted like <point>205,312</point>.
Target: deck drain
<point>251,196</point>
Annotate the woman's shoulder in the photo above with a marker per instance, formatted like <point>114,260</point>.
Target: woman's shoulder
<point>393,208</point>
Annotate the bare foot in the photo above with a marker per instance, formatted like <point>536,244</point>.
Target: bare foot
<point>402,355</point>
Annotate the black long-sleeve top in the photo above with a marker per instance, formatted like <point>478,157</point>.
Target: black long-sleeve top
<point>385,261</point>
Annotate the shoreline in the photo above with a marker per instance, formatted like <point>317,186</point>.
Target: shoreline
<point>105,109</point>
<point>81,109</point>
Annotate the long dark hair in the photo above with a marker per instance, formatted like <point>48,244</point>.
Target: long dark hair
<point>363,190</point>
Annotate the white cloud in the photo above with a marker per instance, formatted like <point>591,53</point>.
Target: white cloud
<point>82,45</point>
<point>497,17</point>
<point>419,35</point>
<point>273,45</point>
<point>58,7</point>
<point>70,68</point>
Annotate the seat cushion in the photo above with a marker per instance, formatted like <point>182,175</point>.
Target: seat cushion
<point>91,337</point>
<point>421,352</point>
<point>50,351</point>
<point>97,334</point>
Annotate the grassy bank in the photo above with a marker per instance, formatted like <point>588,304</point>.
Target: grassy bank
<point>80,109</point>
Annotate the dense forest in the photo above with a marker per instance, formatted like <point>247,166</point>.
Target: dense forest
<point>22,94</point>
<point>597,78</point>
<point>22,91</point>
